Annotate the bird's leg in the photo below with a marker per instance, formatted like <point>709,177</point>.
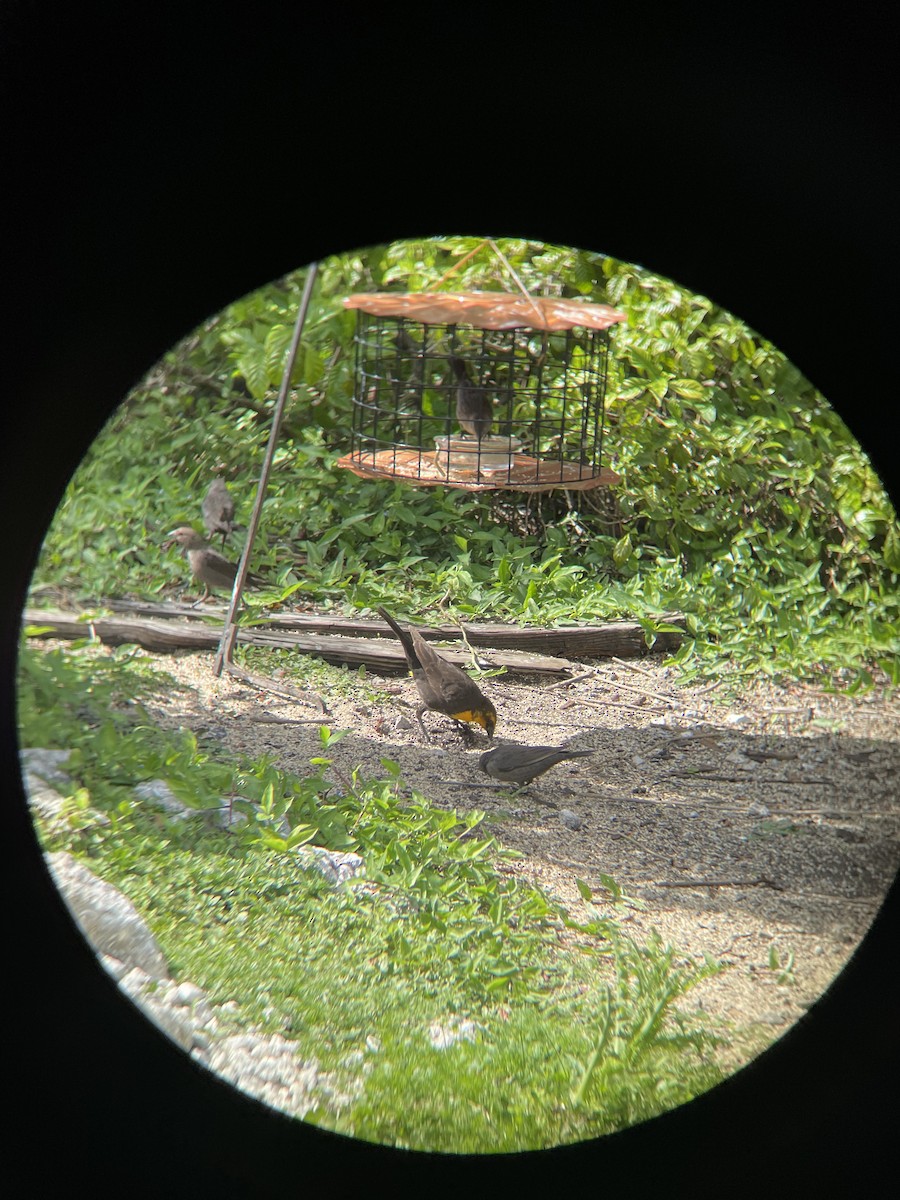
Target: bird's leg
<point>464,731</point>
<point>425,733</point>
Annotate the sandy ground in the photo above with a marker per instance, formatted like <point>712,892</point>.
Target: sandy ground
<point>770,823</point>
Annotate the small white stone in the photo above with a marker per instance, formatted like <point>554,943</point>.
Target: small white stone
<point>187,994</point>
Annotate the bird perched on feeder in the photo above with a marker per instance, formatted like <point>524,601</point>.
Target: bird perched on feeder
<point>218,510</point>
<point>213,570</point>
<point>521,764</point>
<point>474,406</point>
<point>443,687</point>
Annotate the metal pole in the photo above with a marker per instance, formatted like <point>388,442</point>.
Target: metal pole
<point>229,632</point>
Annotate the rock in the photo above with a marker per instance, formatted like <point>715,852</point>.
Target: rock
<point>569,819</point>
<point>442,1036</point>
<point>108,919</point>
<point>230,817</point>
<point>46,765</point>
<point>48,804</point>
<point>774,1018</point>
<point>270,1069</point>
<point>177,1023</point>
<point>337,867</point>
<point>158,793</point>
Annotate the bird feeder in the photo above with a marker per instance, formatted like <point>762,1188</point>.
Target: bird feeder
<point>535,369</point>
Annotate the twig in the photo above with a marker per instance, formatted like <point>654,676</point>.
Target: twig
<point>837,813</point>
<point>632,667</point>
<point>629,687</point>
<point>690,883</point>
<point>561,683</point>
<point>693,804</point>
<point>612,704</point>
<point>710,687</point>
<point>704,777</point>
<point>763,755</point>
<point>456,266</point>
<point>473,657</point>
<point>269,719</point>
<point>284,689</point>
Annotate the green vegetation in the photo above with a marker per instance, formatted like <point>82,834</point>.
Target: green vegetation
<point>576,1027</point>
<point>745,502</point>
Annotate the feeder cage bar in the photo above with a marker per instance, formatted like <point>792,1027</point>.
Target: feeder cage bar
<point>535,369</point>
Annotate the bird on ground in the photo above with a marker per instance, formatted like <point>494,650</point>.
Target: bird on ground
<point>474,406</point>
<point>213,570</point>
<point>443,687</point>
<point>218,510</point>
<point>521,764</point>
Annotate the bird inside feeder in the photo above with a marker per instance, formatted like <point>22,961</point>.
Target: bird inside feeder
<point>480,390</point>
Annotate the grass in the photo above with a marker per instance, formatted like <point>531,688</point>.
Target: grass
<point>577,1028</point>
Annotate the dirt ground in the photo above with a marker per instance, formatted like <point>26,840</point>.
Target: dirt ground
<point>766,826</point>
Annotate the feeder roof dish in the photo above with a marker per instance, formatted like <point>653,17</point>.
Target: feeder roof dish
<point>486,310</point>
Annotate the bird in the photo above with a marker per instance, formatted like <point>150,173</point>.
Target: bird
<point>443,687</point>
<point>213,570</point>
<point>218,510</point>
<point>521,764</point>
<point>474,406</point>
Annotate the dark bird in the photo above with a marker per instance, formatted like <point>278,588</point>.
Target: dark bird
<point>218,510</point>
<point>443,687</point>
<point>521,764</point>
<point>214,571</point>
<point>474,406</point>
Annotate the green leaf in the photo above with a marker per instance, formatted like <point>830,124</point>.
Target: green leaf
<point>689,389</point>
<point>622,550</point>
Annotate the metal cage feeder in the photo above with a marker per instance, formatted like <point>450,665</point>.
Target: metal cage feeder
<point>535,366</point>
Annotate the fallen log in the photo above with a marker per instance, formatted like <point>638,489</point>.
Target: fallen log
<point>605,639</point>
<point>380,654</point>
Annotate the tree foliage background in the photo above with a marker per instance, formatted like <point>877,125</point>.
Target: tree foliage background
<point>745,502</point>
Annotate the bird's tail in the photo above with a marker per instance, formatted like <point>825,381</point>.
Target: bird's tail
<point>405,639</point>
<point>460,370</point>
